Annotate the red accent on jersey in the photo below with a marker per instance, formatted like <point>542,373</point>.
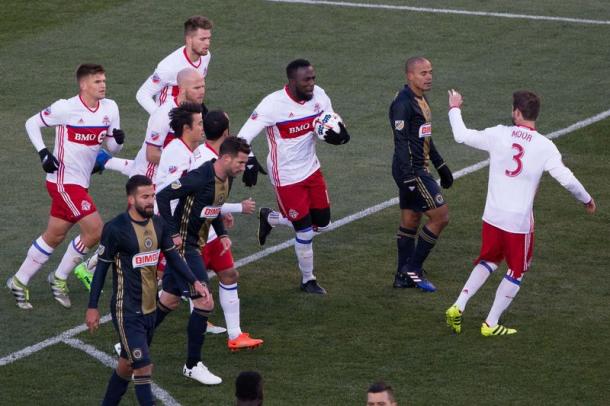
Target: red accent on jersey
<point>189,60</point>
<point>86,135</point>
<point>292,98</point>
<point>87,107</point>
<point>208,146</point>
<point>296,128</point>
<point>168,138</point>
<point>273,153</point>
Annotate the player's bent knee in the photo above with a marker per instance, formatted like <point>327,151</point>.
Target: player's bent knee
<point>229,276</point>
<point>144,370</point>
<point>169,301</point>
<point>302,224</point>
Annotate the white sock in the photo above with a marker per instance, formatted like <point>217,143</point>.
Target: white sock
<point>91,263</point>
<point>507,290</point>
<point>477,278</point>
<point>229,301</point>
<point>304,250</point>
<point>120,165</point>
<point>37,255</point>
<point>276,219</point>
<point>74,255</point>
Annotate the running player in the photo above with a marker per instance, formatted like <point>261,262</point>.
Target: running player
<point>161,86</point>
<point>82,124</point>
<point>202,193</point>
<point>287,115</point>
<point>518,155</point>
<point>131,242</point>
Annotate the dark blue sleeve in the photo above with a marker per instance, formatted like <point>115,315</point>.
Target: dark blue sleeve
<point>106,252</point>
<point>178,189</point>
<point>400,116</point>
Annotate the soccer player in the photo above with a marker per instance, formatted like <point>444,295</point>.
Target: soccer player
<point>162,84</point>
<point>380,394</point>
<point>518,155</point>
<point>82,123</point>
<point>202,193</point>
<point>131,242</point>
<point>287,116</point>
<point>410,119</point>
<point>190,88</point>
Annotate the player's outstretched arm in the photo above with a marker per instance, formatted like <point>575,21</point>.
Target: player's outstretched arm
<point>566,178</point>
<point>461,134</point>
<point>591,207</point>
<point>146,94</point>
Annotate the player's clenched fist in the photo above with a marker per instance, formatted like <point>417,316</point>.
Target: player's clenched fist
<point>455,99</point>
<point>49,163</point>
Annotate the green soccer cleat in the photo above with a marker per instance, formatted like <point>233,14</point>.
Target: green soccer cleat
<point>498,330</point>
<point>454,319</point>
<point>20,292</point>
<point>82,274</point>
<point>59,288</point>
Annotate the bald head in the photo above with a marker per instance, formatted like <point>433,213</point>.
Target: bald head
<point>412,62</point>
<point>192,85</point>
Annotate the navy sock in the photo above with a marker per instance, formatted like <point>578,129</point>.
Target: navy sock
<point>405,241</point>
<point>198,323</point>
<point>117,387</point>
<point>425,243</point>
<point>144,390</point>
<point>160,314</point>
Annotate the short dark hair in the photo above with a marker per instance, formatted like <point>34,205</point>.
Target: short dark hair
<point>181,116</point>
<point>135,182</point>
<point>233,146</point>
<point>379,387</point>
<point>87,69</point>
<point>412,61</point>
<point>296,65</point>
<point>249,386</point>
<point>528,104</point>
<point>196,22</point>
<point>215,123</point>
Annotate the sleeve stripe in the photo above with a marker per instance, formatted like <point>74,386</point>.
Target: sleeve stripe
<point>45,123</point>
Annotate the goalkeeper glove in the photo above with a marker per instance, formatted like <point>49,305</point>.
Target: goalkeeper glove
<point>250,175</point>
<point>446,176</point>
<point>337,138</point>
<point>49,163</point>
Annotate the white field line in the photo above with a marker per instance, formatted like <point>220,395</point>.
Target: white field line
<point>111,362</point>
<point>268,251</point>
<point>445,11</point>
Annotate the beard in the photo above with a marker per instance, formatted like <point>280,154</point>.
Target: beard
<point>146,212</point>
<point>303,96</point>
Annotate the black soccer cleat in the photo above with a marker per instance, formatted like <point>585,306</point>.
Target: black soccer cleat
<point>312,286</point>
<point>402,281</point>
<point>264,228</point>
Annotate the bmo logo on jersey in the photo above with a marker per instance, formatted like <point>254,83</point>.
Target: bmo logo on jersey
<point>143,259</point>
<point>210,212</point>
<point>425,130</point>
<point>296,128</point>
<point>87,135</point>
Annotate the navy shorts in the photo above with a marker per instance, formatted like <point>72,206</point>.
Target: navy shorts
<point>422,195</point>
<point>175,284</point>
<point>136,333</point>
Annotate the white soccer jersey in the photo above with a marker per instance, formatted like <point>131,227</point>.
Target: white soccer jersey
<point>289,128</point>
<point>176,160</point>
<point>518,157</point>
<point>79,133</point>
<point>159,134</point>
<point>163,84</point>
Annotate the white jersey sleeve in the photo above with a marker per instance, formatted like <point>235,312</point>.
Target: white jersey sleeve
<point>261,117</point>
<point>151,88</point>
<point>176,160</point>
<point>461,134</point>
<point>554,165</point>
<point>54,115</point>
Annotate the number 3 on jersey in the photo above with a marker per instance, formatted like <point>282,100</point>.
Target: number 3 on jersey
<point>517,158</point>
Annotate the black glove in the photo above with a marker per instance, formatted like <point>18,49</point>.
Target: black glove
<point>119,136</point>
<point>251,173</point>
<point>337,139</point>
<point>49,163</point>
<point>446,177</point>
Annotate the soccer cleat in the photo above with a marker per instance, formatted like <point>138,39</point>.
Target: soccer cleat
<point>312,286</point>
<point>418,278</point>
<point>201,374</point>
<point>59,288</point>
<point>213,329</point>
<point>243,341</point>
<point>264,228</point>
<point>100,161</point>
<point>454,319</point>
<point>82,274</point>
<point>498,330</point>
<point>403,281</point>
<point>20,292</point>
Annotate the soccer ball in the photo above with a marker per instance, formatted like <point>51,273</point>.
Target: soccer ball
<point>326,121</point>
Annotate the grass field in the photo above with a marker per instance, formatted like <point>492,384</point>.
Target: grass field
<point>327,350</point>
